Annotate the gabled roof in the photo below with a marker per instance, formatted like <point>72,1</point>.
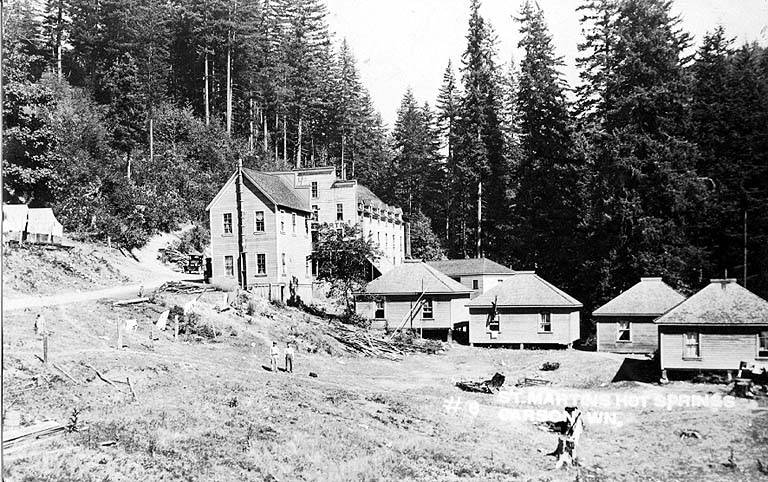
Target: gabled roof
<point>471,266</point>
<point>276,189</point>
<point>721,302</point>
<point>413,278</point>
<point>649,297</point>
<point>526,289</point>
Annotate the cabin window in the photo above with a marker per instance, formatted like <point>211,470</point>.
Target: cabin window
<point>427,312</point>
<point>475,284</point>
<point>762,344</point>
<point>229,265</point>
<point>283,262</point>
<point>379,315</point>
<point>339,212</point>
<point>293,222</point>
<point>692,347</point>
<point>314,189</point>
<point>258,224</point>
<point>261,264</point>
<point>624,332</point>
<point>282,221</point>
<point>227,223</point>
<point>545,322</point>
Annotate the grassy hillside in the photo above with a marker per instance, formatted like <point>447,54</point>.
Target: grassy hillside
<point>206,409</point>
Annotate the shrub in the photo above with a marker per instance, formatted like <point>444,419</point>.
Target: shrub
<point>192,324</point>
<point>353,318</point>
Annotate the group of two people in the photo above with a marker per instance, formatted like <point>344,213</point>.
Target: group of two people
<point>274,354</point>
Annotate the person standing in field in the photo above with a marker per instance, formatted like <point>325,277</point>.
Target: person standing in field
<point>273,354</point>
<point>288,358</point>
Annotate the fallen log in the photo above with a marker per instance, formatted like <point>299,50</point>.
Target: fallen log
<point>98,374</point>
<point>22,434</point>
<point>65,373</point>
<point>130,302</point>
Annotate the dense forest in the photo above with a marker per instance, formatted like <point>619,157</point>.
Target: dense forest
<point>126,117</point>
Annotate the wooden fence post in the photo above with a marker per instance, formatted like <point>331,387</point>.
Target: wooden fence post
<point>45,348</point>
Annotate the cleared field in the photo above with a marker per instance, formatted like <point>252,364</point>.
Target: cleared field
<point>210,411</point>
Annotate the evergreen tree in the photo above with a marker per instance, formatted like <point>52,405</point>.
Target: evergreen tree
<point>546,203</point>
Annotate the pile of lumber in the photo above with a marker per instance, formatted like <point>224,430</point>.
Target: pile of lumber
<point>532,382</point>
<point>485,386</point>
<point>356,340</point>
<point>11,437</point>
<point>184,288</point>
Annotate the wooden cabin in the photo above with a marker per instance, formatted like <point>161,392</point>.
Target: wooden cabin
<point>414,296</point>
<point>718,328</point>
<point>626,323</point>
<point>479,274</point>
<point>524,309</point>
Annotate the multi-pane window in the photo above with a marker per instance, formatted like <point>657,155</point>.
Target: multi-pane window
<point>692,347</point>
<point>314,189</point>
<point>227,223</point>
<point>293,222</point>
<point>258,221</point>
<point>623,333</point>
<point>229,265</point>
<point>261,264</point>
<point>339,212</point>
<point>283,262</point>
<point>315,212</point>
<point>427,312</point>
<point>762,344</point>
<point>545,322</point>
<point>379,315</point>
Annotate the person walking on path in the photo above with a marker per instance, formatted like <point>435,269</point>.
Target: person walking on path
<point>273,354</point>
<point>288,358</point>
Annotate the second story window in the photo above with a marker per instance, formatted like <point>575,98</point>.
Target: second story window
<point>282,221</point>
<point>293,222</point>
<point>283,262</point>
<point>227,223</point>
<point>314,189</point>
<point>339,212</point>
<point>315,212</point>
<point>258,222</point>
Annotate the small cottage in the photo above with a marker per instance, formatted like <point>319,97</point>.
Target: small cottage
<point>415,296</point>
<point>717,328</point>
<point>480,274</point>
<point>626,323</point>
<point>524,309</point>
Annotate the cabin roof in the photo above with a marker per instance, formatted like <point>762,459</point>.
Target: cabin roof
<point>470,266</point>
<point>413,278</point>
<point>526,289</point>
<point>721,302</point>
<point>649,297</point>
<point>276,189</point>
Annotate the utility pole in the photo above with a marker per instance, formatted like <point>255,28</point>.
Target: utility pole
<point>241,272</point>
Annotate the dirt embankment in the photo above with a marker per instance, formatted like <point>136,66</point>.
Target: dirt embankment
<point>38,270</point>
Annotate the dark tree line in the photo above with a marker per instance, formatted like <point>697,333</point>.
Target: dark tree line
<point>127,116</point>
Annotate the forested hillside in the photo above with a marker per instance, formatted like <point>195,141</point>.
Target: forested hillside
<point>126,117</point>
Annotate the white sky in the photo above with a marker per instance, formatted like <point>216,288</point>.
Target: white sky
<point>407,43</point>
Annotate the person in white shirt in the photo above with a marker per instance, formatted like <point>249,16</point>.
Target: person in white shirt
<point>273,354</point>
<point>288,358</point>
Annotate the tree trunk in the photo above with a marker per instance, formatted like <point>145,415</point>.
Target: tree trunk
<point>266,136</point>
<point>285,141</point>
<point>229,84</point>
<point>479,219</point>
<point>59,28</point>
<point>277,127</point>
<point>250,124</point>
<point>298,147</point>
<point>128,158</point>
<point>151,140</point>
<point>206,94</point>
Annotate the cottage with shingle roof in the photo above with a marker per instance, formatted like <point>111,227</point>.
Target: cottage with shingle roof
<point>480,274</point>
<point>524,309</point>
<point>625,324</point>
<point>414,295</point>
<point>717,328</point>
<point>265,243</point>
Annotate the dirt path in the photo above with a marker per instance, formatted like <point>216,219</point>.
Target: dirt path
<point>150,272</point>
